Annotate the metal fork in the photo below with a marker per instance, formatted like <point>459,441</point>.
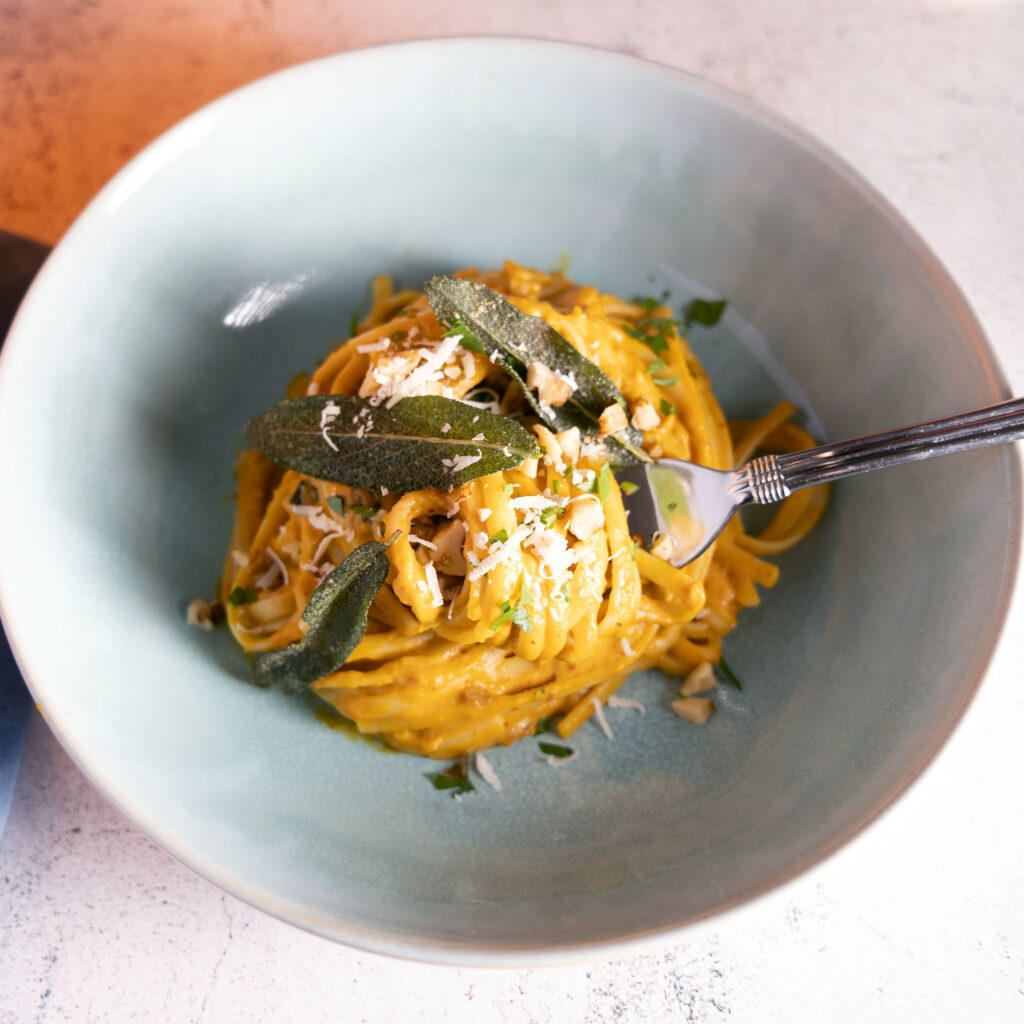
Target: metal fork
<point>684,506</point>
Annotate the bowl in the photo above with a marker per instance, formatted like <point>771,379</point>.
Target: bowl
<point>233,251</point>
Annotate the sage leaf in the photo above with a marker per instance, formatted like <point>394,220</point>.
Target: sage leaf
<point>426,441</point>
<point>512,340</point>
<point>336,613</point>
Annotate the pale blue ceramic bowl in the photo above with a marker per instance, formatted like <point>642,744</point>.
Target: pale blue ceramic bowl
<point>233,252</point>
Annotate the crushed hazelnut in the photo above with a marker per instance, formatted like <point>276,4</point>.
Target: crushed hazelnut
<point>551,390</point>
<point>569,440</point>
<point>612,420</point>
<point>694,709</point>
<point>645,416</point>
<point>586,517</point>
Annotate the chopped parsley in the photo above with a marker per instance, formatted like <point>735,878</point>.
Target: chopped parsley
<point>667,408</point>
<point>336,504</point>
<point>549,515</point>
<point>602,484</point>
<point>467,339</point>
<point>242,595</point>
<point>730,676</point>
<point>454,779</point>
<point>655,331</point>
<point>544,725</point>
<point>555,749</point>
<point>666,382</point>
<point>516,613</point>
<point>656,367</point>
<point>705,313</point>
<point>508,488</point>
<point>628,487</point>
<point>399,335</point>
<point>498,538</point>
<point>366,511</point>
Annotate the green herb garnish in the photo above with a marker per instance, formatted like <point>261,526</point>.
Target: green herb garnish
<point>336,504</point>
<point>628,487</point>
<point>730,676</point>
<point>500,537</point>
<point>549,515</point>
<point>544,725</point>
<point>667,408</point>
<point>602,484</point>
<point>454,779</point>
<point>655,331</point>
<point>347,440</point>
<point>666,382</point>
<point>399,335</point>
<point>705,313</point>
<point>336,614</point>
<point>555,749</point>
<point>517,612</point>
<point>656,367</point>
<point>353,327</point>
<point>366,511</point>
<point>467,339</point>
<point>242,595</point>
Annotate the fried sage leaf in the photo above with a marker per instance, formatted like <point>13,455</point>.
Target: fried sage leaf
<point>336,613</point>
<point>512,340</point>
<point>427,441</point>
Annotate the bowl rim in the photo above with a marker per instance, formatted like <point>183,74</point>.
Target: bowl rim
<point>459,953</point>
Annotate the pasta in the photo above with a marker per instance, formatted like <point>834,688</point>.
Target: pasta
<point>521,595</point>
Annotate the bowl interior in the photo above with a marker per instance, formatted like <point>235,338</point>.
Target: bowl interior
<point>233,252</point>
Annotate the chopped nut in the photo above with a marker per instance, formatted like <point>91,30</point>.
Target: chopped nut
<point>201,613</point>
<point>612,420</point>
<point>569,440</point>
<point>551,390</point>
<point>586,517</point>
<point>694,709</point>
<point>663,547</point>
<point>447,554</point>
<point>552,449</point>
<point>645,416</point>
<point>701,679</point>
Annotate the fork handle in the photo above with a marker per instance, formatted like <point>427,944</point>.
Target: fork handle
<point>771,478</point>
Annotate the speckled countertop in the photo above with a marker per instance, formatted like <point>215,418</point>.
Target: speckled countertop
<point>920,919</point>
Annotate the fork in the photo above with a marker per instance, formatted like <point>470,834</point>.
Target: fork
<point>690,504</point>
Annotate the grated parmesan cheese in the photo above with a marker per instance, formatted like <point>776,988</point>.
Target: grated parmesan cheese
<point>328,414</point>
<point>601,720</point>
<point>460,462</point>
<point>626,702</point>
<point>375,346</point>
<point>487,773</point>
<point>432,583</point>
<point>504,552</point>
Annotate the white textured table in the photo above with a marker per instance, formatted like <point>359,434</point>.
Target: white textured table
<point>922,918</point>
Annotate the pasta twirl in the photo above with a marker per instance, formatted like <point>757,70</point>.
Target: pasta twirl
<point>520,595</point>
